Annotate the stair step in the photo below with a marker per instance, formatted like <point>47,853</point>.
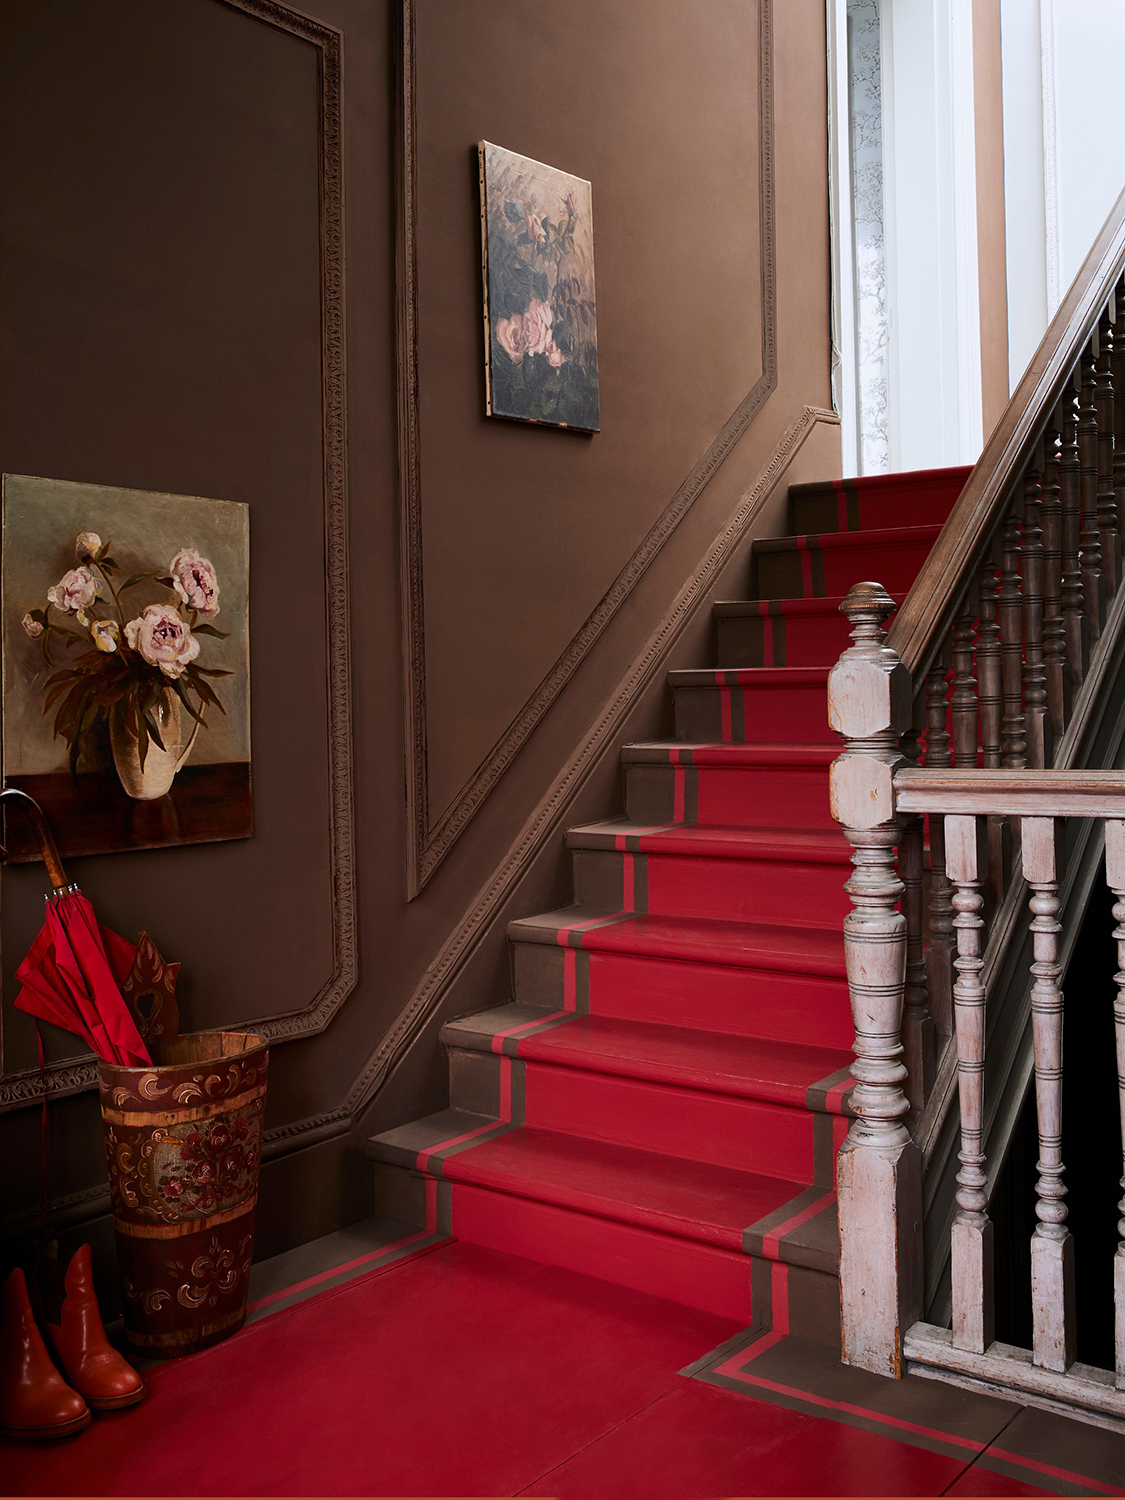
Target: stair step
<point>830,563</point>
<point>706,995</point>
<point>756,704</point>
<point>701,840</point>
<point>733,784</point>
<point>688,1271</point>
<point>807,1077</point>
<point>774,947</point>
<point>916,498</point>
<point>781,632</point>
<point>675,1196</point>
<point>697,870</point>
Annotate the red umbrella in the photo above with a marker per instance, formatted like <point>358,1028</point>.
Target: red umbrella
<point>74,970</point>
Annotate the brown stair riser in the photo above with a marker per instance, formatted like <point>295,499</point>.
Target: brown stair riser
<point>728,890</point>
<point>799,641</point>
<point>778,713</point>
<point>797,572</point>
<point>712,997</point>
<point>744,1288</point>
<point>728,796</point>
<point>745,1134</point>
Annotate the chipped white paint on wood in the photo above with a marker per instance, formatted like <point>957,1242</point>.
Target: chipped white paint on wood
<point>879,1167</point>
<point>1084,1389</point>
<point>1052,1250</point>
<point>971,1235</point>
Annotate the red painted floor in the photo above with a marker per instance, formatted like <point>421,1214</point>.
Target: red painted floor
<point>469,1372</point>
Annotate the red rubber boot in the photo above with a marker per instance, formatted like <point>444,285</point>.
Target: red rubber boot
<point>93,1366</point>
<point>35,1401</point>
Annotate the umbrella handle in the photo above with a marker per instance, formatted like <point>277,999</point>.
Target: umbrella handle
<point>38,821</point>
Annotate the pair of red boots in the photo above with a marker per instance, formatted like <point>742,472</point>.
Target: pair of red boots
<point>35,1401</point>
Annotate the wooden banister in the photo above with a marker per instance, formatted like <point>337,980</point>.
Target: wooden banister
<point>941,581</point>
<point>1040,794</point>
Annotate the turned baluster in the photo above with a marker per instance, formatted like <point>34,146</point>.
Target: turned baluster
<point>971,1237</point>
<point>1115,879</point>
<point>1037,724</point>
<point>1107,499</point>
<point>939,950</point>
<point>1054,629</point>
<point>1118,366</point>
<point>1075,629</point>
<point>1093,581</point>
<point>1013,747</point>
<point>964,698</point>
<point>1052,1249</point>
<point>878,1169</point>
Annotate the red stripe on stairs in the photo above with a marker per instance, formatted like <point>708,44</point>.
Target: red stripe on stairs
<point>724,706</point>
<point>468,1135</point>
<point>678,785</point>
<point>771,1242</point>
<point>806,567</point>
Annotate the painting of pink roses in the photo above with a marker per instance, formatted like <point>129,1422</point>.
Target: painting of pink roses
<point>540,323</point>
<point>126,684</point>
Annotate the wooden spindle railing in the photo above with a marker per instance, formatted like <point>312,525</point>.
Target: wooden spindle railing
<point>1043,801</point>
<point>990,677</point>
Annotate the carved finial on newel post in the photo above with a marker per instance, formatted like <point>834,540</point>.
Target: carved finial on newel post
<point>878,1172</point>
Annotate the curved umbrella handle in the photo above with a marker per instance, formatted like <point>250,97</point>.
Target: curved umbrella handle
<point>38,820</point>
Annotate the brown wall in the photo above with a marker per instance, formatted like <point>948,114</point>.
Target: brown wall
<point>161,328</point>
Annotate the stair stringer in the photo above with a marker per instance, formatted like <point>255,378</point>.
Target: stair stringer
<point>1095,739</point>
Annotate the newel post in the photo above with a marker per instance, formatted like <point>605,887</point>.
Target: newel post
<point>878,1172</point>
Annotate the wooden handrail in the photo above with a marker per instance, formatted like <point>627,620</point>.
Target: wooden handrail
<point>948,567</point>
<point>1012,794</point>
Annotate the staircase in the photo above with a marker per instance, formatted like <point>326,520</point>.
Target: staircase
<point>661,1103</point>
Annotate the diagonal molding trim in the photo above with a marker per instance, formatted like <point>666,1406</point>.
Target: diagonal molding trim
<point>544,821</point>
<point>427,846</point>
<point>75,1075</point>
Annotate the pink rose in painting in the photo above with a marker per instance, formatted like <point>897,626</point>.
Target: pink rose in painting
<point>509,335</point>
<point>537,322</point>
<point>76,590</point>
<point>193,578</point>
<point>86,547</point>
<point>163,639</point>
<point>554,355</point>
<point>535,231</point>
<point>33,626</point>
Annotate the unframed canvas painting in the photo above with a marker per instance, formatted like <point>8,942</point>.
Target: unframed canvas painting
<point>126,694</point>
<point>541,333</point>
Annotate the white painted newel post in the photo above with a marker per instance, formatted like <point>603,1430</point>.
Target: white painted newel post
<point>878,1172</point>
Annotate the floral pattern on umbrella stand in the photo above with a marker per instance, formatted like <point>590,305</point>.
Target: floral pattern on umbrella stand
<point>134,672</point>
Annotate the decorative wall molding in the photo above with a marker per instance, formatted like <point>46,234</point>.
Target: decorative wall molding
<point>75,1075</point>
<point>428,845</point>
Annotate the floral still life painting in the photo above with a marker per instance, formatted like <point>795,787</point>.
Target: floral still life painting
<point>540,323</point>
<point>126,692</point>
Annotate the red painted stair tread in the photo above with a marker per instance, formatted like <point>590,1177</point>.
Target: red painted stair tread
<point>802,845</point>
<point>692,1199</point>
<point>796,949</point>
<point>780,1072</point>
<point>736,755</point>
